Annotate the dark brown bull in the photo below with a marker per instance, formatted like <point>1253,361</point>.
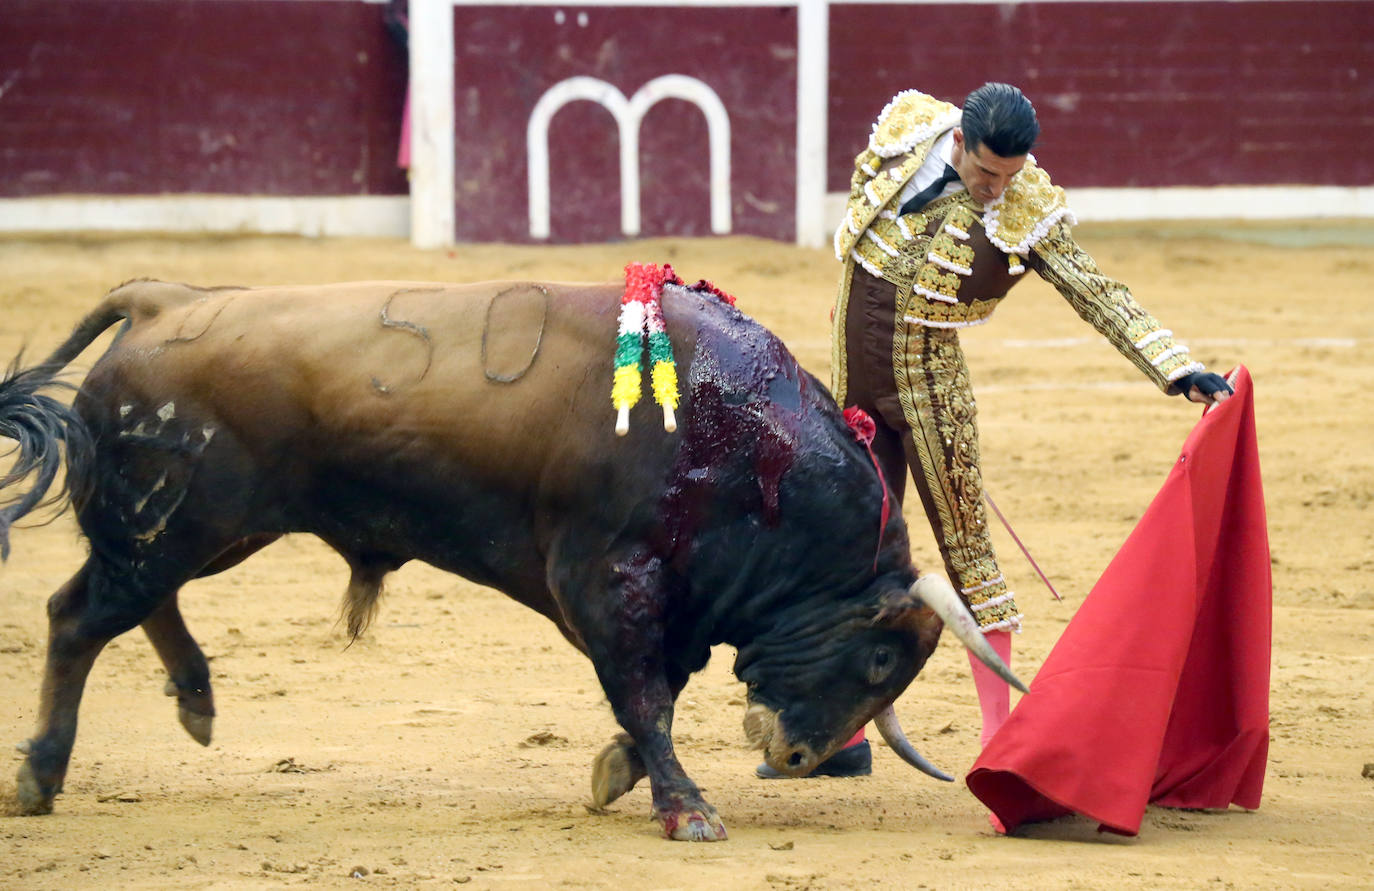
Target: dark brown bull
<point>470,426</point>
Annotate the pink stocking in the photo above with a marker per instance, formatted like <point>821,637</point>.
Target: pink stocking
<point>855,739</point>
<point>994,695</point>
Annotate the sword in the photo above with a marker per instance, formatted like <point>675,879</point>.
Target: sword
<point>1036,566</point>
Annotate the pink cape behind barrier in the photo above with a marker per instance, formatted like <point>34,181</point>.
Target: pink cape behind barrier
<point>1158,690</point>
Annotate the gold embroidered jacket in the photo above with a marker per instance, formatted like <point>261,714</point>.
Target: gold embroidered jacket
<point>955,259</point>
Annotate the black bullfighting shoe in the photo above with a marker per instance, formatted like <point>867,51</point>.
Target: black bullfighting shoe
<point>855,761</point>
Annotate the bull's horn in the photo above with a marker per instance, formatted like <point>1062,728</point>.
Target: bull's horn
<point>891,729</point>
<point>936,593</point>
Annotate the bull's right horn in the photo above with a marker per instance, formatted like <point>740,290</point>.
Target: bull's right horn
<point>938,594</point>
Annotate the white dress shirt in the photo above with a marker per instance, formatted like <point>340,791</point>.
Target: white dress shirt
<point>931,169</point>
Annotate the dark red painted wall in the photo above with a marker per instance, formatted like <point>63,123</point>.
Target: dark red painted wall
<point>1132,94</point>
<point>219,96</point>
<point>509,56</point>
<point>303,97</point>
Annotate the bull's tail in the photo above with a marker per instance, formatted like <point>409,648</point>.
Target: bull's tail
<point>43,426</point>
<point>40,425</point>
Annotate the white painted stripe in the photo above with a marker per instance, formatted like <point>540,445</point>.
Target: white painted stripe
<point>370,215</point>
<point>1222,202</point>
<point>813,67</point>
<point>1056,386</point>
<point>1204,203</point>
<point>432,124</point>
<point>382,215</point>
<point>1343,343</point>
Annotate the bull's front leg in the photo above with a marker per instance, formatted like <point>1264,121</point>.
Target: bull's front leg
<point>628,652</point>
<point>644,708</point>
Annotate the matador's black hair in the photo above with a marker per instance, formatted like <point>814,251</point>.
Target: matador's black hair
<point>1000,117</point>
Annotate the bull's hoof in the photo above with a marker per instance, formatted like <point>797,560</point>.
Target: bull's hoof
<point>698,824</point>
<point>197,725</point>
<point>29,794</point>
<point>615,771</point>
<point>24,746</point>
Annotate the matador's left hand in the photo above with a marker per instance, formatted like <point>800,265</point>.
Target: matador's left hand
<point>1205,387</point>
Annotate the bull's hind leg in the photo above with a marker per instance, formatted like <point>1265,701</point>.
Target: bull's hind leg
<point>188,674</point>
<point>83,616</point>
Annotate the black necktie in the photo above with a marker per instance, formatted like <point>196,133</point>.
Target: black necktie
<point>927,195</point>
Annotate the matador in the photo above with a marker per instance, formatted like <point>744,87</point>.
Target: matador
<point>947,210</point>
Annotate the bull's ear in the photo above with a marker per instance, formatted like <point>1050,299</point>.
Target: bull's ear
<point>902,609</point>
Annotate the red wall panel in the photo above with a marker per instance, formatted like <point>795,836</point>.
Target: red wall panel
<point>220,96</point>
<point>1132,94</point>
<point>303,97</point>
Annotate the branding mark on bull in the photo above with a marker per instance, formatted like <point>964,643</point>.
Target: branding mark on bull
<point>420,331</point>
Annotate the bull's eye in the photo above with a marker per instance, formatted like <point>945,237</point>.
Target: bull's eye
<point>880,664</point>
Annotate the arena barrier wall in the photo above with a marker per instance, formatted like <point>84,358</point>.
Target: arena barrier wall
<point>599,121</point>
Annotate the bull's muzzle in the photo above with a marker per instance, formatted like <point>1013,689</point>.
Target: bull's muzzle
<point>763,725</point>
<point>763,728</point>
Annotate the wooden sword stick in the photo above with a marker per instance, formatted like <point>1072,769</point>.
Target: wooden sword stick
<point>1036,566</point>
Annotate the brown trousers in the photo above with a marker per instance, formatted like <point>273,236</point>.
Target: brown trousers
<point>913,380</point>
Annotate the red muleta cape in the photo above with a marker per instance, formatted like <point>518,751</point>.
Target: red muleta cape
<point>1158,690</point>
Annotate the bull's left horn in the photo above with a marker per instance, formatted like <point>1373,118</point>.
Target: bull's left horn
<point>937,593</point>
<point>891,729</point>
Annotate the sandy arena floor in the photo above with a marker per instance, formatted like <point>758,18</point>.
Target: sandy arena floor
<point>453,743</point>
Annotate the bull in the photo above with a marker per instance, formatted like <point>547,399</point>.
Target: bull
<point>467,426</point>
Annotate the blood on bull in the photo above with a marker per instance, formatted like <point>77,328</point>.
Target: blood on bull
<point>468,427</point>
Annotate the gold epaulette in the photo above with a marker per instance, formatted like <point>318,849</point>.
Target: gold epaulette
<point>908,125</point>
<point>908,120</point>
<point>1026,211</point>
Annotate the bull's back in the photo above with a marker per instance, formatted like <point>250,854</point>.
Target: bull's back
<point>467,425</point>
<point>500,379</point>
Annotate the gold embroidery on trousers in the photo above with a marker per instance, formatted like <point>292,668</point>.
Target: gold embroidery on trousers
<point>937,401</point>
<point>839,358</point>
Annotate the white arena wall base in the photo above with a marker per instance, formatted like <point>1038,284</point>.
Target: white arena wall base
<point>391,216</point>
<point>369,215</point>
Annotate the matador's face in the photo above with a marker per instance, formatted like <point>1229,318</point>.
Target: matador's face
<point>984,173</point>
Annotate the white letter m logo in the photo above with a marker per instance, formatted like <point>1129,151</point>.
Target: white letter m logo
<point>628,116</point>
